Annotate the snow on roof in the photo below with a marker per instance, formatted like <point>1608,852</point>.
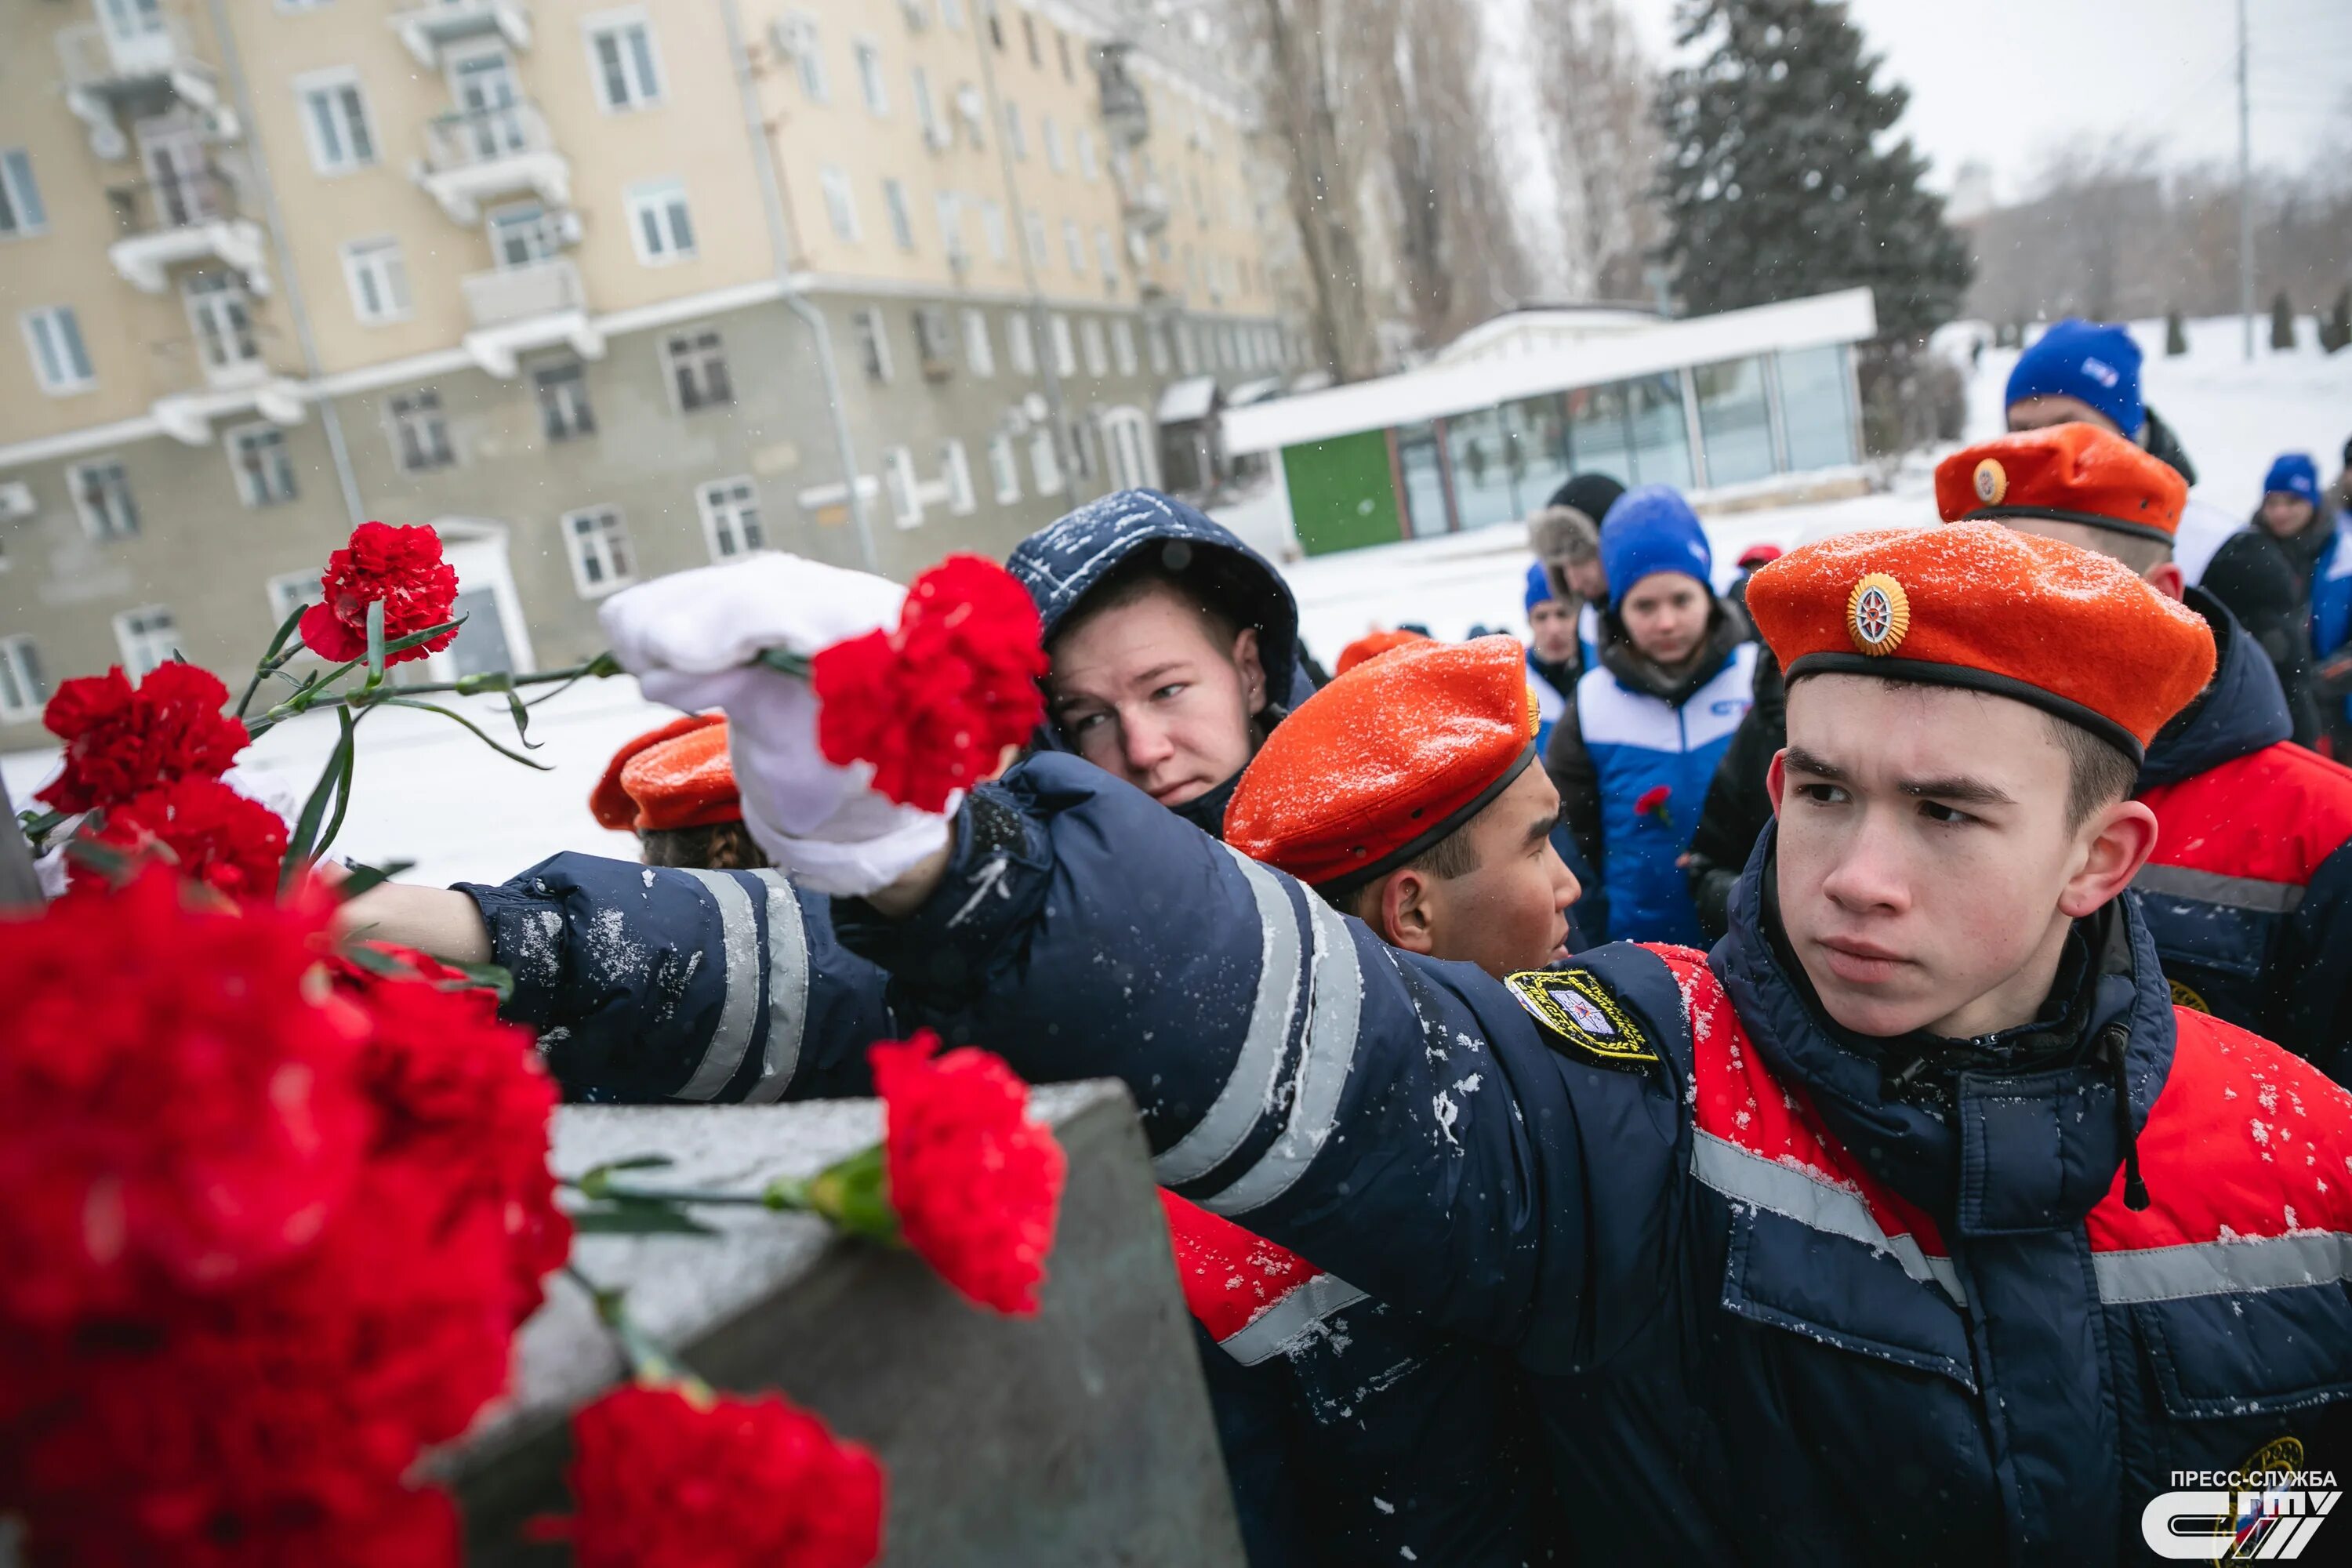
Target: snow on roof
<point>1438,390</point>
<point>1253,392</point>
<point>1190,398</point>
<point>1532,329</point>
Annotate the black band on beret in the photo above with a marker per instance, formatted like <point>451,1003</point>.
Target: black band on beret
<point>2087,519</point>
<point>1342,885</point>
<point>1969,678</point>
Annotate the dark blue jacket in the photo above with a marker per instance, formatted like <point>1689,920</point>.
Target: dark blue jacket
<point>1352,1430</point>
<point>1776,1315</point>
<point>2249,894</point>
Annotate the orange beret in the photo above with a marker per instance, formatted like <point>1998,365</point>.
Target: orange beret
<point>1371,645</point>
<point>2068,473</point>
<point>675,776</point>
<point>1386,761</point>
<point>1987,608</point>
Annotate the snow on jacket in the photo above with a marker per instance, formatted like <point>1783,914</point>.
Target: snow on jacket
<point>1352,1432</point>
<point>1774,1315</point>
<point>2249,894</point>
<point>1633,767</point>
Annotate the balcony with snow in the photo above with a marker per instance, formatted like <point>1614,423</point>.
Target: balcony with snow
<point>135,63</point>
<point>425,30</point>
<point>180,218</point>
<point>473,156</point>
<point>534,305</point>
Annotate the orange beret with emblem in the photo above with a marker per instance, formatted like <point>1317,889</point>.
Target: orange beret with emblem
<point>1986,608</point>
<point>2067,473</point>
<point>675,776</point>
<point>1371,645</point>
<point>1386,761</point>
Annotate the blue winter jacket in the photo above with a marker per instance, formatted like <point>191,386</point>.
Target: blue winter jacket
<point>1898,1330</point>
<point>2331,603</point>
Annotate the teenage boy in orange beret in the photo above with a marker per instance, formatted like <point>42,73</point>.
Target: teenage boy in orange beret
<point>674,787</point>
<point>2249,893</point>
<point>1913,1223</point>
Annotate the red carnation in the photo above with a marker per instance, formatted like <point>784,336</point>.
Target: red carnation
<point>1652,804</point>
<point>216,836</point>
<point>176,1113</point>
<point>934,704</point>
<point>121,740</point>
<point>663,1481</point>
<point>400,566</point>
<point>974,1178</point>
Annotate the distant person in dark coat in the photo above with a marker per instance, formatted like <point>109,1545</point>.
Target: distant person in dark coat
<point>1738,802</point>
<point>2262,573</point>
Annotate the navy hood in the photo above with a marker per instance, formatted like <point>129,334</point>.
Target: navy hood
<point>2240,712</point>
<point>1060,564</point>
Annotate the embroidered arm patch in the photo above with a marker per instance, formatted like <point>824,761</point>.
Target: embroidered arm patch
<point>1583,1019</point>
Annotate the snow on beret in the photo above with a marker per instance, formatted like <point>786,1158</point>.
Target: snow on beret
<point>1386,761</point>
<point>1984,607</point>
<point>2068,473</point>
<point>675,776</point>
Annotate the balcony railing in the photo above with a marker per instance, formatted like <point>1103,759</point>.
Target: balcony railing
<point>469,139</point>
<point>97,59</point>
<point>511,294</point>
<point>427,28</point>
<point>1145,206</point>
<point>106,77</point>
<point>181,201</point>
<point>1125,115</point>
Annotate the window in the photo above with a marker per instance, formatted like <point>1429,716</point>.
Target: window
<point>927,113</point>
<point>621,52</point>
<point>697,368</point>
<point>806,46</point>
<point>1013,136</point>
<point>1815,415</point>
<point>21,211</point>
<point>873,344</point>
<point>1062,42</point>
<point>378,277</point>
<point>598,542</point>
<point>22,691</point>
<point>102,494</point>
<point>1074,246</point>
<point>1082,455</point>
<point>1734,426</point>
<point>257,454</point>
<point>1087,168</point>
<point>933,344</point>
<point>992,228</point>
<point>1004,468</point>
<point>148,637</point>
<point>840,203</point>
<point>1187,359</point>
<point>334,117</point>
<point>1090,338</point>
<point>869,76</point>
<point>949,207</point>
<point>1106,253</point>
<point>521,235</point>
<point>731,518</point>
<point>1066,359</point>
<point>659,222</point>
<point>898,477</point>
<point>955,472</point>
<point>893,203</point>
<point>223,319</point>
<point>1029,34</point>
<point>1051,134</point>
<point>53,335</point>
<point>979,350</point>
<point>1033,234</point>
<point>420,436</point>
<point>951,15</point>
<point>289,592</point>
<point>1044,463</point>
<point>1155,342</point>
<point>1021,343</point>
<point>1122,346</point>
<point>565,413</point>
<point>996,24</point>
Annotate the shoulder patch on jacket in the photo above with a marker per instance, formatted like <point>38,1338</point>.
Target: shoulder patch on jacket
<point>1584,1016</point>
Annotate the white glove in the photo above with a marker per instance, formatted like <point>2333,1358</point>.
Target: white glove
<point>688,638</point>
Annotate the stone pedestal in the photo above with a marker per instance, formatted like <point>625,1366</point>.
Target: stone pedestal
<point>1081,1436</point>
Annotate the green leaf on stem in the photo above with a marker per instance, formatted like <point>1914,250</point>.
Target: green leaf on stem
<point>103,859</point>
<point>37,826</point>
<point>522,715</point>
<point>343,789</point>
<point>637,1219</point>
<point>402,644</point>
<point>480,732</point>
<point>489,977</point>
<point>375,639</point>
<point>271,663</point>
<point>854,1193</point>
<point>783,660</point>
<point>306,827</point>
<point>594,1181</point>
<point>363,878</point>
<point>376,961</point>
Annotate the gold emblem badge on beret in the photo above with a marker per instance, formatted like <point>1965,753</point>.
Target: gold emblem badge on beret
<point>1992,482</point>
<point>1878,614</point>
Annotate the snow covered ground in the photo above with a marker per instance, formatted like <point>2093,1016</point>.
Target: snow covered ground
<point>428,792</point>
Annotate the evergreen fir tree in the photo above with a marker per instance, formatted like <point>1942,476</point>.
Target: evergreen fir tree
<point>1776,184</point>
<point>2282,322</point>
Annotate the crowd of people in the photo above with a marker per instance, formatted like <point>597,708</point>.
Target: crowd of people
<point>1987,1169</point>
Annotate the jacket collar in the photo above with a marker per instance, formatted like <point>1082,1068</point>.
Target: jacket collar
<point>2242,709</point>
<point>1726,629</point>
<point>2024,1134</point>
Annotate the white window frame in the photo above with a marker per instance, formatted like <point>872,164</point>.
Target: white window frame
<point>668,238</point>
<point>687,341</point>
<point>873,344</point>
<point>28,216</point>
<point>865,53</point>
<point>56,330</point>
<point>288,591</point>
<point>341,87</point>
<point>979,344</point>
<point>1045,462</point>
<point>727,506</point>
<point>951,15</point>
<point>992,230</point>
<point>947,208</point>
<point>955,472</point>
<point>616,574</point>
<point>577,407</point>
<point>808,56</point>
<point>1021,343</point>
<point>903,487</point>
<point>1033,236</point>
<point>637,93</point>
<point>1066,354</point>
<point>378,264</point>
<point>1098,353</point>
<point>108,526</point>
<point>1106,253</point>
<point>894,207</point>
<point>1050,133</point>
<point>1089,167</point>
<point>1014,137</point>
<point>21,675</point>
<point>1122,345</point>
<point>1074,246</point>
<point>392,417</point>
<point>927,109</point>
<point>840,204</point>
<point>137,642</point>
<point>1155,343</point>
<point>266,491</point>
<point>1004,468</point>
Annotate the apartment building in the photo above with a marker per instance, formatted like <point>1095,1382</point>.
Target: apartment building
<point>599,291</point>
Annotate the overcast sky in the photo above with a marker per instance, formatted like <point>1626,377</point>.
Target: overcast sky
<point>2002,82</point>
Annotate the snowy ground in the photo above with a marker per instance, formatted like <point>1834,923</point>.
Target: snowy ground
<point>429,792</point>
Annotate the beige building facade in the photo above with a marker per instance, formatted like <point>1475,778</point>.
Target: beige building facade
<point>599,291</point>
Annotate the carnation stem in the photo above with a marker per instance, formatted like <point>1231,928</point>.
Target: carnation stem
<point>784,661</point>
<point>852,1193</point>
<point>648,1362</point>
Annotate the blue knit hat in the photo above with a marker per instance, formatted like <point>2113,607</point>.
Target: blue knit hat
<point>1539,585</point>
<point>1652,530</point>
<point>2294,474</point>
<point>2091,361</point>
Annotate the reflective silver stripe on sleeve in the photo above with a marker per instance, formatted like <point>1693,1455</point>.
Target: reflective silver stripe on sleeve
<point>2213,888</point>
<point>788,991</point>
<point>1795,1194</point>
<point>2223,1268</point>
<point>1283,1324</point>
<point>1249,1089</point>
<point>739,947</point>
<point>1331,1051</point>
